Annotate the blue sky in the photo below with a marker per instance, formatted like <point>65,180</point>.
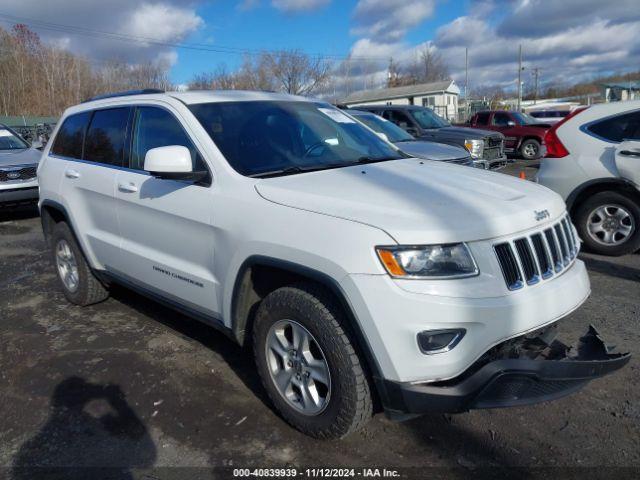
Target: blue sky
<point>568,40</point>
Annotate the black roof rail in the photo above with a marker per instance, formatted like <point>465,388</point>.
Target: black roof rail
<point>124,94</point>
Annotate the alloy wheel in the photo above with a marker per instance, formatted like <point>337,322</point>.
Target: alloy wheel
<point>610,224</point>
<point>298,367</point>
<point>67,266</point>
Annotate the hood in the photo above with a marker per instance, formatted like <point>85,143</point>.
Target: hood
<point>19,157</point>
<point>432,150</point>
<point>466,132</point>
<point>432,202</point>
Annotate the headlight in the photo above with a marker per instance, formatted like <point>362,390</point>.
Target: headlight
<point>475,147</point>
<point>428,261</point>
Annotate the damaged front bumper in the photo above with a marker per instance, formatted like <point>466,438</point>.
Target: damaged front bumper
<point>530,369</point>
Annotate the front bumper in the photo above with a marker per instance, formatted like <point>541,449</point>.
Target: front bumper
<point>519,373</point>
<point>18,196</point>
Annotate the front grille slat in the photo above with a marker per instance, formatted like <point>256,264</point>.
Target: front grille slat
<point>536,257</point>
<point>13,173</point>
<point>509,266</point>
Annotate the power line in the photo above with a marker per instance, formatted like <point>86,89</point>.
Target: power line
<point>76,30</point>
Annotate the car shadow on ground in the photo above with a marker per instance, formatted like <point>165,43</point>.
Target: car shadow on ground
<point>18,213</point>
<point>91,432</point>
<point>239,359</point>
<point>610,268</point>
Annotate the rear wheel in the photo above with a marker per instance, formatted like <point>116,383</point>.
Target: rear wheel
<point>530,149</point>
<point>609,224</point>
<point>307,363</point>
<point>79,284</point>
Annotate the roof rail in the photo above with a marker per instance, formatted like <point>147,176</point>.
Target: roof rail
<point>124,94</point>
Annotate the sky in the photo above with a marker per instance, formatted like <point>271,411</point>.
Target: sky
<point>568,40</point>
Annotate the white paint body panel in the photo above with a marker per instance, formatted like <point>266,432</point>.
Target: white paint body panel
<point>326,221</point>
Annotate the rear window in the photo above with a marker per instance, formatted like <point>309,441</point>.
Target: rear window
<point>105,140</point>
<point>618,128</point>
<point>70,137</point>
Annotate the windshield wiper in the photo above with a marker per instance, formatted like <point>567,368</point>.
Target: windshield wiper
<point>376,160</point>
<point>294,169</point>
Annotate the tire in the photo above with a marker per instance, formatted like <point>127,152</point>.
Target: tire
<point>67,256</point>
<point>347,397</point>
<point>587,216</point>
<point>530,149</point>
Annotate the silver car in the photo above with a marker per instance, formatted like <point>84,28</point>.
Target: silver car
<point>409,144</point>
<point>18,165</point>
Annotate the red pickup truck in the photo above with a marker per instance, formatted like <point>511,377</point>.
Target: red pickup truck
<point>523,135</point>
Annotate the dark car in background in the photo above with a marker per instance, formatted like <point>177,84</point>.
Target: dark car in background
<point>523,134</point>
<point>409,144</point>
<point>486,147</point>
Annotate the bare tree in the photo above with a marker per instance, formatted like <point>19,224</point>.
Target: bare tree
<point>297,72</point>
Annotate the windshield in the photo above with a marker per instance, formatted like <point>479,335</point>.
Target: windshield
<point>380,125</point>
<point>11,141</point>
<point>426,118</point>
<point>267,138</point>
<point>524,119</point>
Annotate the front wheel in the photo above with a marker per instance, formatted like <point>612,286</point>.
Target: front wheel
<point>530,149</point>
<point>307,363</point>
<point>609,224</point>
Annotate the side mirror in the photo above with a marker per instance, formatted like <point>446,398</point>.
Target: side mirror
<point>404,125</point>
<point>511,123</point>
<point>383,136</point>
<point>172,162</point>
<point>37,144</point>
<point>412,131</point>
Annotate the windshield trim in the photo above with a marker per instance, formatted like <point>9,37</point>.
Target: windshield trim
<point>16,135</point>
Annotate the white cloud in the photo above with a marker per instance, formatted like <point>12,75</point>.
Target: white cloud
<point>297,6</point>
<point>168,21</point>
<point>390,20</point>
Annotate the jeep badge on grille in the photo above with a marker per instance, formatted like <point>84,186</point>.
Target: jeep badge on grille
<point>541,214</point>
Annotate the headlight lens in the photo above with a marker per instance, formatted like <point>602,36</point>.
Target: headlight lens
<point>428,261</point>
<point>475,147</point>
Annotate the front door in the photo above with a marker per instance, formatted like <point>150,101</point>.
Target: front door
<point>627,156</point>
<point>165,225</point>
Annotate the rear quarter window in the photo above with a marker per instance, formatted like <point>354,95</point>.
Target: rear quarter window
<point>618,128</point>
<point>70,137</point>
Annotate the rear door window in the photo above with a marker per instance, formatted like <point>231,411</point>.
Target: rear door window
<point>618,128</point>
<point>501,120</point>
<point>70,137</point>
<point>482,118</point>
<point>106,137</point>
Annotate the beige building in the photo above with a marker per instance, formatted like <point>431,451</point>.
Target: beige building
<point>442,97</point>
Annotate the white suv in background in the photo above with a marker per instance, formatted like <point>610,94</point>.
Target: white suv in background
<point>354,271</point>
<point>593,162</point>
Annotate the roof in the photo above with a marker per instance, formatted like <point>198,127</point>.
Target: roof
<point>623,85</point>
<point>398,92</point>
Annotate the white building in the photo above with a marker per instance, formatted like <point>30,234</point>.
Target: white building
<point>442,97</point>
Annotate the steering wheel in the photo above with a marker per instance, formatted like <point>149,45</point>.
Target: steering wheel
<point>313,147</point>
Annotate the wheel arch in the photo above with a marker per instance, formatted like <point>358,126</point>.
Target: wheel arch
<point>249,290</point>
<point>52,213</point>
<point>585,190</point>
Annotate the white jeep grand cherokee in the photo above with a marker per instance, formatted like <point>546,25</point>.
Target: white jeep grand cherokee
<point>360,276</point>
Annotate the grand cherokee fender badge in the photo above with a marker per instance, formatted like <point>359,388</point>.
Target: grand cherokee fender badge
<point>541,214</point>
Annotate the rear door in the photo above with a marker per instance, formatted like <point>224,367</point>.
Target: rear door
<point>165,225</point>
<point>93,145</point>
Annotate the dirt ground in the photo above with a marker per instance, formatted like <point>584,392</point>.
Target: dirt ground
<point>131,385</point>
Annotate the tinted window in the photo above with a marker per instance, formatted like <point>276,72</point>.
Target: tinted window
<point>398,118</point>
<point>155,127</point>
<point>68,142</point>
<point>482,118</point>
<point>267,138</point>
<point>105,140</point>
<point>619,128</point>
<point>501,119</point>
<point>427,118</point>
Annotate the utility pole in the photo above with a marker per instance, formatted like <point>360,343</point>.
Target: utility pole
<point>519,77</point>
<point>466,83</point>
<point>536,72</point>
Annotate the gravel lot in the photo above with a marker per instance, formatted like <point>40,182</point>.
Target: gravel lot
<point>132,385</point>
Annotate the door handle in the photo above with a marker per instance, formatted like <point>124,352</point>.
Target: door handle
<point>127,187</point>
<point>72,173</point>
<point>630,153</point>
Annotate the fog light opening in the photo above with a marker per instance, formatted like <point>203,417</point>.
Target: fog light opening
<point>439,341</point>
